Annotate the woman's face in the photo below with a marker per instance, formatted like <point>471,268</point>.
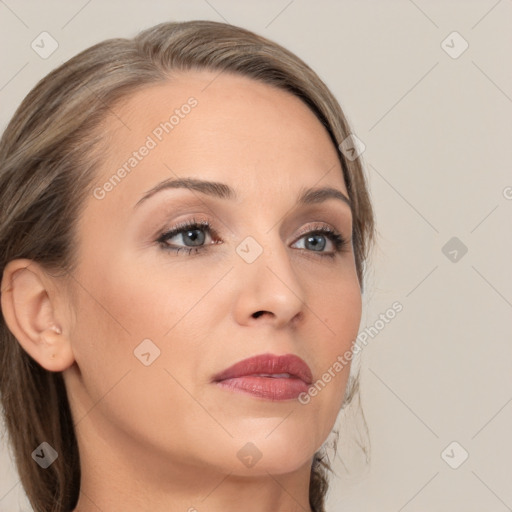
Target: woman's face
<point>156,318</point>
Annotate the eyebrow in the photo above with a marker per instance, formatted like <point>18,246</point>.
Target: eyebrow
<point>222,191</point>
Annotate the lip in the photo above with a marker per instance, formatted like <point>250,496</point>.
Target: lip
<point>264,376</point>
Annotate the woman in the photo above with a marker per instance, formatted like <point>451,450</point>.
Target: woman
<point>183,247</point>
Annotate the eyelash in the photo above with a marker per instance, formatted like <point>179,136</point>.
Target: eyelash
<point>339,241</point>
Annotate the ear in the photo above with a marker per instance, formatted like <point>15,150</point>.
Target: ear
<point>29,299</point>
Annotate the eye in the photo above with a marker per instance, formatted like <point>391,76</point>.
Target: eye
<point>193,234</point>
<point>315,240</point>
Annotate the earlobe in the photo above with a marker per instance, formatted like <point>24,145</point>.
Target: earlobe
<point>29,307</point>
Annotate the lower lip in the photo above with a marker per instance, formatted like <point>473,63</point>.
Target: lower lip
<point>268,388</point>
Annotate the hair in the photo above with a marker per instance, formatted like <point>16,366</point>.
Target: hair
<point>49,153</point>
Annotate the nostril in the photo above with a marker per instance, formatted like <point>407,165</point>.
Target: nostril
<point>258,314</point>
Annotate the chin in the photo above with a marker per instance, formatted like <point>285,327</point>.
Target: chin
<point>273,454</point>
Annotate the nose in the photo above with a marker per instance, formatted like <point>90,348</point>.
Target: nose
<point>269,290</point>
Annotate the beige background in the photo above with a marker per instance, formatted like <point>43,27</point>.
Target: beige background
<point>438,134</point>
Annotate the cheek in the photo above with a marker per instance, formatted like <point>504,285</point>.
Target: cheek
<point>339,309</point>
<point>344,303</point>
<point>131,339</point>
<point>126,311</point>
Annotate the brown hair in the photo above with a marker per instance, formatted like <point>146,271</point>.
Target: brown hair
<point>48,155</point>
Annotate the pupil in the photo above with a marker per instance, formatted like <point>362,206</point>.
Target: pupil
<point>320,244</point>
<point>193,235</point>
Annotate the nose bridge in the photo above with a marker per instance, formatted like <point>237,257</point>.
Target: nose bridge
<point>268,280</point>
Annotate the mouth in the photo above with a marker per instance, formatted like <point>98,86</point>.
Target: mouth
<point>267,376</point>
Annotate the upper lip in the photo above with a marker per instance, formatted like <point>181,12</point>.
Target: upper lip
<point>268,364</point>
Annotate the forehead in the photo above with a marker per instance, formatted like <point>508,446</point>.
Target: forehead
<point>221,127</point>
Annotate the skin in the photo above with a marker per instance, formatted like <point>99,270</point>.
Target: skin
<point>163,437</point>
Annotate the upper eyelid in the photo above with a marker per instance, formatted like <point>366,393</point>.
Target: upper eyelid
<point>208,225</point>
<point>336,218</point>
<point>214,208</point>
